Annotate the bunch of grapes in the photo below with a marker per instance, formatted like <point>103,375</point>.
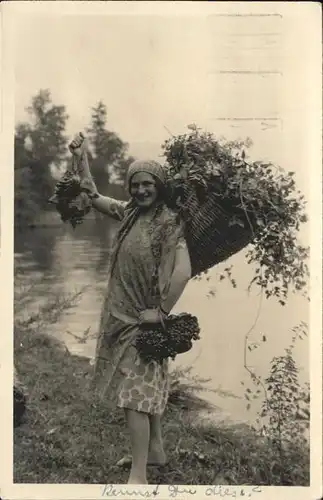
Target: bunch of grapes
<point>69,186</point>
<point>71,202</point>
<point>158,343</point>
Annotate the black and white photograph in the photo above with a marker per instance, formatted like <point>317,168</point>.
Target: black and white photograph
<point>166,245</point>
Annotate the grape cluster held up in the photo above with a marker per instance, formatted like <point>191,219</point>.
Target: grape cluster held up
<point>71,201</point>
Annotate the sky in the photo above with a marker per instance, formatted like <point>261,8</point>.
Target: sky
<point>157,74</point>
<point>236,76</point>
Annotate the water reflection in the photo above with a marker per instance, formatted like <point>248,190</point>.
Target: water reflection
<point>38,244</point>
<point>60,260</point>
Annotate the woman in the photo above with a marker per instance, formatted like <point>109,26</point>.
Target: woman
<point>149,270</point>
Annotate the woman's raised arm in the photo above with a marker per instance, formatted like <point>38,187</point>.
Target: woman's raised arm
<point>104,204</point>
<point>109,206</point>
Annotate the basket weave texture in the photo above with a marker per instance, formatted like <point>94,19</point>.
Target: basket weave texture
<point>210,235</point>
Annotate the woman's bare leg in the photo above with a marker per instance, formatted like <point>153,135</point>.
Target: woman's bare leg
<point>156,449</point>
<point>138,424</point>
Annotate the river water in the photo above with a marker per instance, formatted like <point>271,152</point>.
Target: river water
<point>57,260</point>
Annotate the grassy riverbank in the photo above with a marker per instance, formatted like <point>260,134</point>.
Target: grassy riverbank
<point>69,436</point>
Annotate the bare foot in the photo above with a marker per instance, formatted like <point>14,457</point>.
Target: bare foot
<point>124,461</point>
<point>156,455</point>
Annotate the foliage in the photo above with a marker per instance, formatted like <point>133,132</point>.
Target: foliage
<point>109,152</point>
<point>48,314</point>
<point>286,407</point>
<point>70,435</point>
<point>285,412</point>
<point>24,203</point>
<point>262,198</point>
<point>39,145</point>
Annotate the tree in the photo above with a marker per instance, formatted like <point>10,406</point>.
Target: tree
<point>24,204</point>
<point>121,168</point>
<point>109,152</point>
<point>39,144</point>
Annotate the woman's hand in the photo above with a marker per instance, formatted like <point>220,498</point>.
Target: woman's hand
<point>150,316</point>
<point>78,145</point>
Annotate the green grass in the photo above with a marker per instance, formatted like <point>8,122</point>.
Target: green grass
<point>69,436</point>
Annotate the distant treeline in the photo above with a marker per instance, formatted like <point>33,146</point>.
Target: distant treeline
<point>41,155</point>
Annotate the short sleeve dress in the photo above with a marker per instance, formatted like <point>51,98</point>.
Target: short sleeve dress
<point>121,374</point>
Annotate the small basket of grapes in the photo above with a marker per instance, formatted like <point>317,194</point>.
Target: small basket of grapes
<point>168,339</point>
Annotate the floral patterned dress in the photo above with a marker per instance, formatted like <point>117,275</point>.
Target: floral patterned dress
<point>140,275</point>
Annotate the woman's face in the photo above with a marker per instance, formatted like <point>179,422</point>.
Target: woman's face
<point>143,189</point>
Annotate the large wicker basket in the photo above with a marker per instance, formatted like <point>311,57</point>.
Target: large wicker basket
<point>210,235</point>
